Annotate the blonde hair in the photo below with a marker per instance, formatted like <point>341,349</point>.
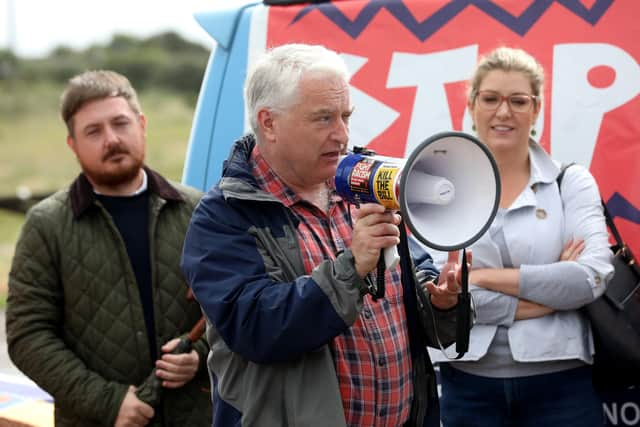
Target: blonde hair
<point>508,59</point>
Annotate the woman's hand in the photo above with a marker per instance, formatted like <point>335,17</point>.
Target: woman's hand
<point>572,250</point>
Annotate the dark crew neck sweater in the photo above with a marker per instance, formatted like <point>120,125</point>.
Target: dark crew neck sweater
<point>131,216</point>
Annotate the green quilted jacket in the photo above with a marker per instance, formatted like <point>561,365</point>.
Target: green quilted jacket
<point>75,323</point>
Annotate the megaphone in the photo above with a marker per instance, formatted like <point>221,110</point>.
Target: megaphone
<point>447,190</point>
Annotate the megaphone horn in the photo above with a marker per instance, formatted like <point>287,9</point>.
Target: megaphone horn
<point>468,165</point>
<point>448,189</point>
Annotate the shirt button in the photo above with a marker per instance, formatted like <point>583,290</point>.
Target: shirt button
<point>541,213</point>
<point>367,313</point>
<point>598,280</point>
<point>381,361</point>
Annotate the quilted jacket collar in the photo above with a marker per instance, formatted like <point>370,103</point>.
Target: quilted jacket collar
<point>82,195</point>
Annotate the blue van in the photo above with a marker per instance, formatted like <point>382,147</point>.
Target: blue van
<point>409,61</point>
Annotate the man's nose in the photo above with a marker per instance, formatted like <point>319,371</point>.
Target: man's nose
<point>110,136</point>
<point>341,132</point>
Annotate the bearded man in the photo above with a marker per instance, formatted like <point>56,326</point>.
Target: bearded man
<point>96,295</point>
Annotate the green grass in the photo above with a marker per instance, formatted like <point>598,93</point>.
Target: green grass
<point>34,153</point>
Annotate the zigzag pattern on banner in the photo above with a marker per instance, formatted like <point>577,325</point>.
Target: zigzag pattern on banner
<point>423,30</point>
<point>618,206</point>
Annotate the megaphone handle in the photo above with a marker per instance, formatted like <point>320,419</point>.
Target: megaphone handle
<point>391,257</point>
<point>463,311</point>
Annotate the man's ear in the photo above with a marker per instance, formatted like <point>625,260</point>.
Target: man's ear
<point>266,124</point>
<point>143,123</point>
<point>71,143</point>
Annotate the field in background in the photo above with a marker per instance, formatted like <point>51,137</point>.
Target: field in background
<point>34,153</point>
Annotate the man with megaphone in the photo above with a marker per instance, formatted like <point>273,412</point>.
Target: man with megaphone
<point>281,266</point>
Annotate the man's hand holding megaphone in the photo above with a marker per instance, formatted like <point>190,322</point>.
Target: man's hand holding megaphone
<point>444,292</point>
<point>375,228</point>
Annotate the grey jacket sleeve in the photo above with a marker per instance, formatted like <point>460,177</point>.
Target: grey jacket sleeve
<point>569,285</point>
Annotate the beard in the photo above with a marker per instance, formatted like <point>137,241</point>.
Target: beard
<point>110,174</point>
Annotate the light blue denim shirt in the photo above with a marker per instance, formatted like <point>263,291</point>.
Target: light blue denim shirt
<point>535,228</point>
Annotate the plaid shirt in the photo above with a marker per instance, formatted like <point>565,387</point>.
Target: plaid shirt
<point>372,357</point>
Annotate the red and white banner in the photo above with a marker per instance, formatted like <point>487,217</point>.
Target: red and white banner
<point>410,60</point>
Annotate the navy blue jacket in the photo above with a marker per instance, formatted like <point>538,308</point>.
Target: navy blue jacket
<point>270,324</point>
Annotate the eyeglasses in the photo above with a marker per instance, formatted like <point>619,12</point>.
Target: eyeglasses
<point>489,100</point>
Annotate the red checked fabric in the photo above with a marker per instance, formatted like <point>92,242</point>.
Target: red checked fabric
<point>372,358</point>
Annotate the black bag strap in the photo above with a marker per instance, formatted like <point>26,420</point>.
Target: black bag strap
<point>612,227</point>
<point>607,215</point>
<point>463,308</point>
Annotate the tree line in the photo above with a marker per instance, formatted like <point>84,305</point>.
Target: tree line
<point>165,60</point>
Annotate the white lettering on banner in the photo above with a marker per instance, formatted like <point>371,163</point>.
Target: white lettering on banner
<point>629,413</point>
<point>577,106</point>
<point>429,73</point>
<point>373,117</point>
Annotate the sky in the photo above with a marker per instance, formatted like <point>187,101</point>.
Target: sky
<point>32,28</point>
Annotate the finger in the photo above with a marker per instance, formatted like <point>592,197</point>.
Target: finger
<point>171,359</point>
<point>431,288</point>
<point>444,271</point>
<point>397,219</point>
<point>170,345</point>
<point>184,362</point>
<point>137,418</point>
<point>173,384</point>
<point>367,209</point>
<point>451,286</point>
<point>145,411</point>
<point>568,245</point>
<point>572,249</point>
<point>453,256</point>
<point>570,254</point>
<point>172,375</point>
<point>171,380</point>
<point>441,298</point>
<point>576,251</point>
<point>384,229</point>
<point>434,289</point>
<point>170,371</point>
<point>386,217</point>
<point>469,257</point>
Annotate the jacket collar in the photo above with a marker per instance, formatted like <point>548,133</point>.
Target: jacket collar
<point>83,197</point>
<point>543,168</point>
<point>237,165</point>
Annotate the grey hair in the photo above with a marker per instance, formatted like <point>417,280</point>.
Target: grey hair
<point>273,80</point>
<point>508,59</point>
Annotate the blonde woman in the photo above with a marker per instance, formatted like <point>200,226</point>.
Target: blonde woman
<point>545,256</point>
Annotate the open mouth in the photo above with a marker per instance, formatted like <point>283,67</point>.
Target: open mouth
<point>331,155</point>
